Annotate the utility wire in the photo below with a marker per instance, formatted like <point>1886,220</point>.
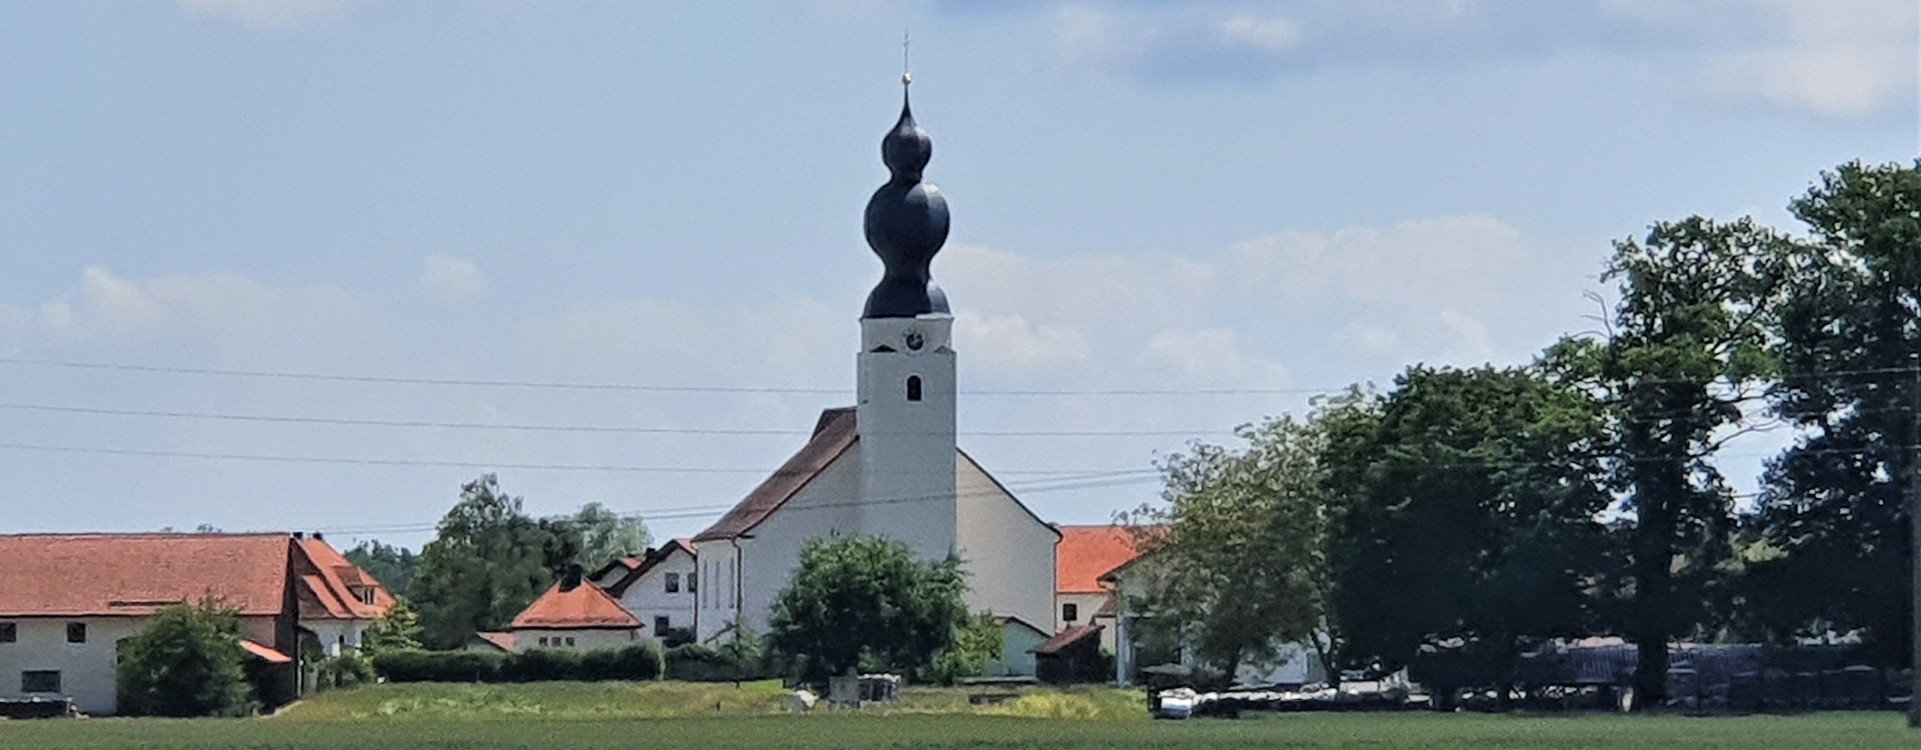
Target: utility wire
<point>282,419</point>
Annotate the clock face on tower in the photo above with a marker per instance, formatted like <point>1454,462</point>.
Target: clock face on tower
<point>914,341</point>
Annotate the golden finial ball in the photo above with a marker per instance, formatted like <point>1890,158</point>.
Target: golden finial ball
<point>906,79</point>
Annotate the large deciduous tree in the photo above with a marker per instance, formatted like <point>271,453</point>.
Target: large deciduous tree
<point>1471,507</point>
<point>867,601</point>
<point>604,535</point>
<point>1685,350</point>
<point>487,563</point>
<point>1238,550</point>
<point>1850,345</point>
<point>392,566</point>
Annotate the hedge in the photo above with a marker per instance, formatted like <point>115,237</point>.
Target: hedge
<point>638,661</point>
<point>697,663</point>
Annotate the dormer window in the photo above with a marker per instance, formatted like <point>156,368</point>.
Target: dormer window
<point>366,596</point>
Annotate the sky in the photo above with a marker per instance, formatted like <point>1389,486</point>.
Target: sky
<point>1168,219</point>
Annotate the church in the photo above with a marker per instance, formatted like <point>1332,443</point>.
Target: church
<point>890,465</point>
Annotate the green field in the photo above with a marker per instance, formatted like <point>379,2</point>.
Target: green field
<point>565,717</point>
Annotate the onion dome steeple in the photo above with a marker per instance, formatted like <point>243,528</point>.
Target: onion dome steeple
<point>906,224</point>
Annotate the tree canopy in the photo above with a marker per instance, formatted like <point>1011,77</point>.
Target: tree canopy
<point>487,563</point>
<point>867,602</point>
<point>187,661</point>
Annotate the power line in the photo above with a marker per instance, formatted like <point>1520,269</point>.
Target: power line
<point>637,387</point>
<point>617,429</point>
<point>471,464</point>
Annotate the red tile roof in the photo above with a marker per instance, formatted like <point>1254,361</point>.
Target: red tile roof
<point>502,641</point>
<point>331,585</point>
<point>582,607</point>
<point>833,435</point>
<point>271,656</point>
<point>72,575</point>
<point>1087,552</point>
<point>1067,638</point>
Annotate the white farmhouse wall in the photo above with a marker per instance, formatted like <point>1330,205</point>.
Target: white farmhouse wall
<point>336,636</point>
<point>1086,605</point>
<point>1007,552</point>
<point>583,639</point>
<point>86,669</point>
<point>647,597</point>
<point>823,507</point>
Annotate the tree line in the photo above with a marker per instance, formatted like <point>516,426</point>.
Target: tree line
<point>1497,508</point>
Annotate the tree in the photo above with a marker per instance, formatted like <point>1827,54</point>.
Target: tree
<point>488,561</point>
<point>397,630</point>
<point>976,641</point>
<point>1685,350</point>
<point>1850,343</point>
<point>187,661</point>
<point>392,566</point>
<point>1232,517</point>
<point>604,535</point>
<point>866,601</point>
<point>1470,516</point>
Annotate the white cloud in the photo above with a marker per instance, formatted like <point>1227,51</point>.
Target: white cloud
<point>1835,57</point>
<point>1010,344</point>
<point>272,14</point>
<point>1210,355</point>
<point>1273,34</point>
<point>448,279</point>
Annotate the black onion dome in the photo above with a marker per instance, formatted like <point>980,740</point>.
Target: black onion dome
<point>906,225</point>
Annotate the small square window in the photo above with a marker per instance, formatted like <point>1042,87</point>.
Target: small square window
<point>660,627</point>
<point>9,632</point>
<point>45,681</point>
<point>570,641</point>
<point>673,583</point>
<point>1070,612</point>
<point>76,632</point>
<point>543,641</point>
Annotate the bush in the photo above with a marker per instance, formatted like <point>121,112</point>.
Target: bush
<point>637,661</point>
<point>187,661</point>
<point>697,663</point>
<point>414,665</point>
<point>346,670</point>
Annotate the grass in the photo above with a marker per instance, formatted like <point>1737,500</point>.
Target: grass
<point>566,716</point>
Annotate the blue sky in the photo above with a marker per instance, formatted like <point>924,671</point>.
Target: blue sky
<point>1266,199</point>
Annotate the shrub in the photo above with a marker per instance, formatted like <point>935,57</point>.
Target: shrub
<point>636,661</point>
<point>414,665</point>
<point>187,661</point>
<point>697,663</point>
<point>346,670</point>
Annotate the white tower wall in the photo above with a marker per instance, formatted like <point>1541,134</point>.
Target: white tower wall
<point>907,432</point>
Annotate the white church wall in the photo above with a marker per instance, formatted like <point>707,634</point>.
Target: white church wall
<point>1008,553</point>
<point>771,550</point>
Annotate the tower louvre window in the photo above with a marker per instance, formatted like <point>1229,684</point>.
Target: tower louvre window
<point>913,387</point>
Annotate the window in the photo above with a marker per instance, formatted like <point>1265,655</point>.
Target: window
<point>673,583</point>
<point>40,681</point>
<point>913,387</point>
<point>367,596</point>
<point>9,632</point>
<point>691,578</point>
<point>570,641</point>
<point>1070,612</point>
<point>660,627</point>
<point>543,641</point>
<point>76,632</point>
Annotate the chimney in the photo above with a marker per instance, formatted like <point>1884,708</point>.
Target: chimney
<point>319,537</point>
<point>300,535</point>
<point>571,579</point>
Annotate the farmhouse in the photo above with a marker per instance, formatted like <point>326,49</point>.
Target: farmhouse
<point>574,613</point>
<point>1085,554</point>
<point>68,601</point>
<point>658,587</point>
<point>889,465</point>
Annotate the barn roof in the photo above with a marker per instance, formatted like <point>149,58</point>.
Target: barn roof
<point>107,575</point>
<point>1088,552</point>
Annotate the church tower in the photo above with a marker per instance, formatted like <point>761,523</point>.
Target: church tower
<point>905,414</point>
